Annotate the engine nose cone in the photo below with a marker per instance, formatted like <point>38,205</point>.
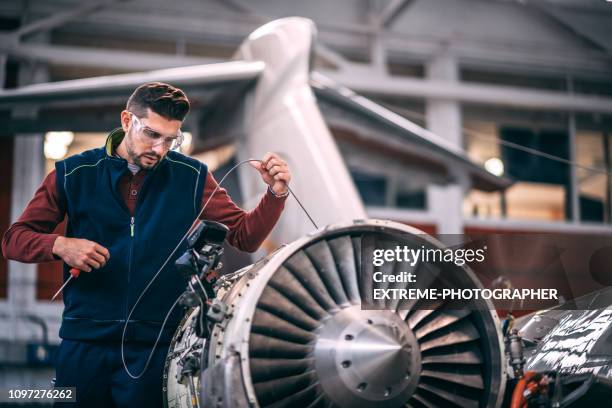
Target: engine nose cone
<point>380,354</point>
<point>367,358</point>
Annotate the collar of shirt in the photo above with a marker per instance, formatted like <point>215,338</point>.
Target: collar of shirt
<point>112,142</point>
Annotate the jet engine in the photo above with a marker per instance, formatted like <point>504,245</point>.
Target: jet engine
<point>294,330</point>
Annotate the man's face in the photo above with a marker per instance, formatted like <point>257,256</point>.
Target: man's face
<point>143,150</point>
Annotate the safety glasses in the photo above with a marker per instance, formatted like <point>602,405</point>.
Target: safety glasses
<point>153,138</point>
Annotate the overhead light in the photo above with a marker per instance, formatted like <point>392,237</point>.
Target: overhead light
<point>56,144</point>
<point>65,138</point>
<point>494,166</point>
<point>55,151</point>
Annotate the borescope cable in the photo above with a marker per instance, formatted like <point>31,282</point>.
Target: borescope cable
<point>304,209</point>
<point>148,362</point>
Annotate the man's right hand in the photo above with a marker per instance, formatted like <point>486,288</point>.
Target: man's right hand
<point>81,253</point>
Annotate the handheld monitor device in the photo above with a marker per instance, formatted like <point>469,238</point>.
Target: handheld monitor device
<point>206,232</point>
<point>205,246</point>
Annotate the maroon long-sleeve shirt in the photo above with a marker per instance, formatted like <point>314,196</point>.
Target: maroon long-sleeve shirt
<point>31,238</point>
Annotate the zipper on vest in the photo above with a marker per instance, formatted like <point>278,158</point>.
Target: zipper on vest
<point>129,272</point>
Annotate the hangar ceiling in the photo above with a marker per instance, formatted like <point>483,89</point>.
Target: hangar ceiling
<point>554,36</point>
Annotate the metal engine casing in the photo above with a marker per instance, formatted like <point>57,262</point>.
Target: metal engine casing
<point>295,334</point>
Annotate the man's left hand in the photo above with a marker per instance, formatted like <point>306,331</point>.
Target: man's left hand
<point>274,172</point>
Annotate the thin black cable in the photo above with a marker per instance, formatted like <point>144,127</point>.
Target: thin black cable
<point>127,370</point>
<point>300,203</point>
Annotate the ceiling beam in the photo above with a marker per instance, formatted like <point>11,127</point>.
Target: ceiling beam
<point>560,18</point>
<point>199,75</point>
<point>478,50</point>
<point>376,84</point>
<point>392,11</point>
<point>341,39</point>
<point>102,58</point>
<point>61,18</point>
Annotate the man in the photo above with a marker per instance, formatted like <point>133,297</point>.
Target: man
<point>128,204</point>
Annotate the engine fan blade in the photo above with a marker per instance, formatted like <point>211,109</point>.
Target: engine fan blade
<point>276,303</point>
<point>417,315</point>
<point>270,325</point>
<point>290,286</point>
<point>264,369</point>
<point>461,333</point>
<point>421,400</point>
<point>440,320</point>
<point>449,396</point>
<point>344,257</point>
<point>272,391</point>
<point>322,259</point>
<point>459,354</point>
<point>307,397</point>
<point>427,276</point>
<point>301,267</point>
<point>467,376</point>
<point>270,347</point>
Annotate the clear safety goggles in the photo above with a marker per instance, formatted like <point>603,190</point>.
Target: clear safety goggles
<point>153,138</point>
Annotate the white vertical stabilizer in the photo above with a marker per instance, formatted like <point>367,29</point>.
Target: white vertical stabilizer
<point>282,116</point>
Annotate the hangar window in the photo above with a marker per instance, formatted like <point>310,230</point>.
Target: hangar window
<point>372,188</point>
<point>542,188</point>
<point>594,151</point>
<point>416,200</point>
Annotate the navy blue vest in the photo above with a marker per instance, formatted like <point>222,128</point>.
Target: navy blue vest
<point>97,303</point>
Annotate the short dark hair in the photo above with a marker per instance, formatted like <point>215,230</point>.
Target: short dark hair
<point>163,99</point>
